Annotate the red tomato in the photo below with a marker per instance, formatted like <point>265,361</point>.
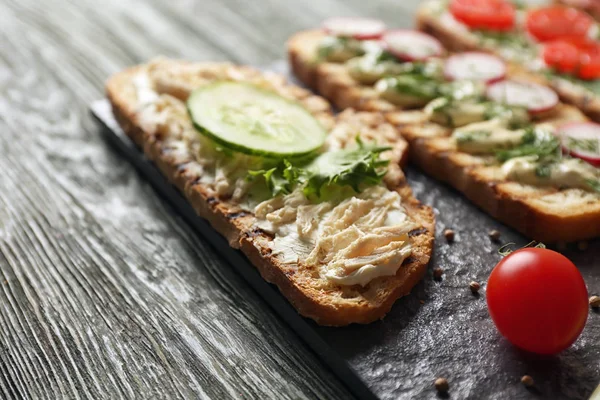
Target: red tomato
<point>561,55</point>
<point>484,14</point>
<point>589,61</point>
<point>558,22</point>
<point>574,56</point>
<point>538,300</point>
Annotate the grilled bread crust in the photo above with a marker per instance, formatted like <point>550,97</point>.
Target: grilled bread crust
<point>327,304</point>
<point>545,214</point>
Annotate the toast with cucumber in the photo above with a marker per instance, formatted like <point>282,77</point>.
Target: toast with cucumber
<point>471,119</point>
<point>557,44</point>
<point>317,202</point>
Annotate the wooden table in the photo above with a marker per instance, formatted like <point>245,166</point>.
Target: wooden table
<point>104,291</point>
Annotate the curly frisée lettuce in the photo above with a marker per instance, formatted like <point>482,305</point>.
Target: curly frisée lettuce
<point>353,168</point>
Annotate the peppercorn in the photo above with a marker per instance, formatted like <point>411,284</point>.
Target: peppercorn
<point>494,235</point>
<point>449,235</point>
<point>437,273</point>
<point>441,385</point>
<point>583,245</point>
<point>527,381</point>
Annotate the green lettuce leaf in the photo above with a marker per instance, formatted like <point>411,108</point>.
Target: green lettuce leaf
<point>355,168</point>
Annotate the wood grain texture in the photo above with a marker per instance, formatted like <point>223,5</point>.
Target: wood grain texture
<point>104,292</point>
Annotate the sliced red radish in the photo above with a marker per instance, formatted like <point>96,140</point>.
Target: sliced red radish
<point>475,66</point>
<point>412,45</point>
<point>536,98</point>
<point>358,28</point>
<point>582,140</point>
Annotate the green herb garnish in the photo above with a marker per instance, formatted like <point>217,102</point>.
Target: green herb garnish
<point>590,85</point>
<point>513,40</point>
<point>348,167</point>
<point>535,142</point>
<point>595,185</point>
<point>331,47</point>
<point>544,168</point>
<point>353,168</point>
<point>473,136</point>
<point>589,145</point>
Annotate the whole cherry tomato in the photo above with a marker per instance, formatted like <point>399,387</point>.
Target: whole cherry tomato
<point>538,300</point>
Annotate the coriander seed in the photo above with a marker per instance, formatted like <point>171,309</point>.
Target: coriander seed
<point>594,301</point>
<point>474,286</point>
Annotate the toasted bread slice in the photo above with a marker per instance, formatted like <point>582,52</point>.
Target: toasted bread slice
<point>330,80</point>
<point>542,213</point>
<point>455,37</point>
<point>536,212</point>
<point>172,144</point>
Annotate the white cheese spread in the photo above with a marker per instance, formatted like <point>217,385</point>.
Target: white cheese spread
<point>348,242</point>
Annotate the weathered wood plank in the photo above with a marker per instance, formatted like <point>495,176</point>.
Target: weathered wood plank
<point>104,292</point>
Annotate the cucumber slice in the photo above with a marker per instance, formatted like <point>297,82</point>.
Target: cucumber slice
<point>252,120</point>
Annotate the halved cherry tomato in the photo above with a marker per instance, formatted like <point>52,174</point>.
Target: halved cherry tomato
<point>589,61</point>
<point>562,55</point>
<point>580,57</point>
<point>484,14</point>
<point>538,300</point>
<point>558,22</point>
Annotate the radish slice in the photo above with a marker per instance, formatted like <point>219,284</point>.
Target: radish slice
<point>475,66</point>
<point>536,98</point>
<point>412,45</point>
<point>358,28</point>
<point>582,140</point>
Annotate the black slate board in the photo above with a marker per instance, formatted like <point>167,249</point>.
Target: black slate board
<point>440,329</point>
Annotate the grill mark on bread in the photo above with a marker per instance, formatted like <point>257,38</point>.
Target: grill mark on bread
<point>409,259</point>
<point>211,200</point>
<point>237,214</point>
<point>417,232</point>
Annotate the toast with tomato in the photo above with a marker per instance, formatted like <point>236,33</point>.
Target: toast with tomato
<point>472,120</point>
<point>317,202</point>
<point>556,44</point>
